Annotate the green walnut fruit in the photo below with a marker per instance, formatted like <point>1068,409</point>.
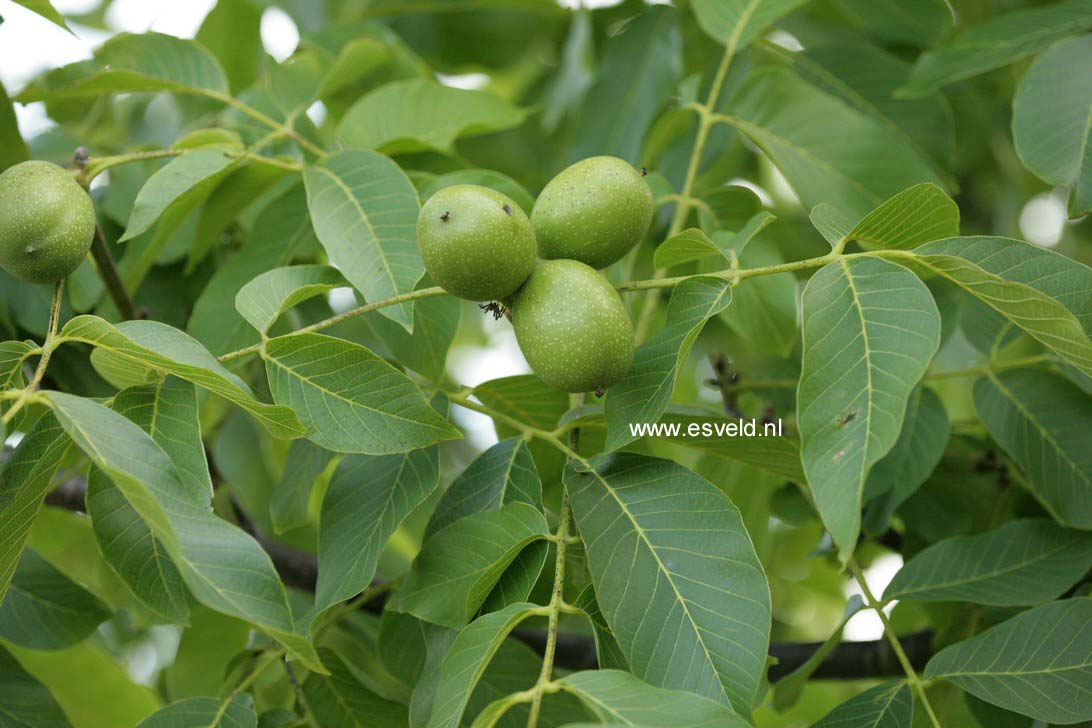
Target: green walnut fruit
<point>47,222</point>
<point>572,327</point>
<point>594,211</point>
<point>477,244</point>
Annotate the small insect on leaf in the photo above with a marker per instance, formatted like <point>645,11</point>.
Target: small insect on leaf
<point>847,418</point>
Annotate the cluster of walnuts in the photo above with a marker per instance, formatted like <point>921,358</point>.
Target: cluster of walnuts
<point>476,243</point>
<point>571,324</point>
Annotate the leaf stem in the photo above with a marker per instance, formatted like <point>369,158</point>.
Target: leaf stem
<point>556,601</point>
<point>46,352</point>
<point>685,198</point>
<point>889,632</point>
<point>272,658</point>
<point>463,400</point>
<point>345,316</point>
<point>111,279</point>
<point>269,121</point>
<point>648,284</point>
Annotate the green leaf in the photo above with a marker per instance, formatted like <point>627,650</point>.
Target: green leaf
<point>133,551</point>
<point>1052,120</point>
<point>364,210</point>
<point>899,473</point>
<point>435,323</point>
<point>133,63</point>
<point>914,216</point>
<point>232,31</point>
<point>922,23</point>
<point>418,115</point>
<point>46,10</point>
<point>25,702</point>
<point>738,22</point>
<point>890,705</point>
<point>638,73</point>
<point>575,73</point>
<point>1035,664</point>
<point>607,650</point>
<point>349,399</point>
<point>664,543</point>
<point>280,232</point>
<point>763,310</point>
<point>997,42</point>
<point>1040,420</point>
<point>458,567</point>
<point>366,501</point>
<point>236,711</point>
<point>1021,563</point>
<point>787,690</point>
<point>622,699</point>
<point>110,699</point>
<point>645,391</point>
<point>865,78</point>
<point>154,345</point>
<point>466,660</point>
<point>689,245</point>
<point>45,610</point>
<point>1023,283</point>
<point>870,330</point>
<point>183,183</point>
<point>212,555</point>
<point>503,474</point>
<point>525,398</point>
<point>827,151</point>
<point>341,699</point>
<point>25,477</point>
<point>519,579</point>
<point>289,507</point>
<point>262,301</point>
<point>12,147</point>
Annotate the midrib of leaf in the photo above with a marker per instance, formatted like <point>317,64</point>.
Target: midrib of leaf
<point>668,575</point>
<point>981,576</point>
<point>892,694</point>
<point>32,597</point>
<point>351,402</point>
<point>363,216</point>
<point>1044,433</point>
<point>758,131</point>
<point>868,369</point>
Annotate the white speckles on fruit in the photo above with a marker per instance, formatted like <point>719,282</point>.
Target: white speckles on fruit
<point>47,222</point>
<point>475,242</point>
<point>594,211</point>
<point>572,327</point>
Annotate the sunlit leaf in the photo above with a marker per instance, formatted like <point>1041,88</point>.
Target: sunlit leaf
<point>264,299</point>
<point>739,21</point>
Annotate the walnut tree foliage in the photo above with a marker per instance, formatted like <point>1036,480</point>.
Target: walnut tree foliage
<point>225,502</point>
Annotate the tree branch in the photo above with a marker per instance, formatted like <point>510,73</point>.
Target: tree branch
<point>848,661</point>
